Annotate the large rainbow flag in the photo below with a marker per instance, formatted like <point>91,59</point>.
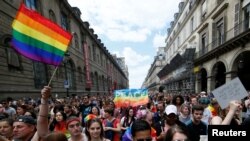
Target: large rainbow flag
<point>130,97</point>
<point>38,38</point>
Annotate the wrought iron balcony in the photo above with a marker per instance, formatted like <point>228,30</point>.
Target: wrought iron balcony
<point>237,36</point>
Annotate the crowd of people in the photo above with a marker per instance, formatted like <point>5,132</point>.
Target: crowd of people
<point>166,117</point>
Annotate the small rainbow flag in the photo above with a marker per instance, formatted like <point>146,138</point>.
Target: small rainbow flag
<point>38,38</point>
<point>89,117</point>
<point>130,97</point>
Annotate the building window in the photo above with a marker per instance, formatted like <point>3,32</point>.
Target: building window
<point>70,73</point>
<point>219,1</point>
<point>98,58</point>
<point>90,55</point>
<point>236,19</point>
<point>246,15</point>
<point>94,53</point>
<point>204,43</point>
<point>101,56</point>
<point>13,59</point>
<point>174,48</point>
<point>178,42</point>
<point>104,62</point>
<point>220,31</point>
<point>64,21</point>
<point>31,4</point>
<point>192,24</point>
<point>76,41</point>
<point>40,74</point>
<point>84,74</point>
<point>203,9</point>
<point>52,16</point>
<point>83,40</point>
<point>80,74</point>
<point>96,81</point>
<point>92,79</point>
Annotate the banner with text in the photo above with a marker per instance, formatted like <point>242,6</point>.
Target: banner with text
<point>130,97</point>
<point>233,90</point>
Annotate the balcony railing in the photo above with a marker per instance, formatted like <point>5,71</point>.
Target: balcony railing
<point>230,34</point>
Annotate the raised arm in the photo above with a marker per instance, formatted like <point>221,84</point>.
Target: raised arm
<point>42,120</point>
<point>234,105</point>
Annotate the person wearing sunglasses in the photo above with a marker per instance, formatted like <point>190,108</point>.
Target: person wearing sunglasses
<point>141,131</point>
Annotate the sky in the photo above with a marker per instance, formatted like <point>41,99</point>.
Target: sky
<point>133,29</point>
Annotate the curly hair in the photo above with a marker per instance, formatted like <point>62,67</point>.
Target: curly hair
<point>178,96</point>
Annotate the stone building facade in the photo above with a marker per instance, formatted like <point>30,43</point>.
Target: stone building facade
<point>88,67</point>
<point>219,33</point>
<point>152,81</point>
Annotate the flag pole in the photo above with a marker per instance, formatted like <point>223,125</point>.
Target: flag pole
<point>53,75</point>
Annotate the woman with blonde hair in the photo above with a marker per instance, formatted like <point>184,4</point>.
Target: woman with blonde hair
<point>185,113</point>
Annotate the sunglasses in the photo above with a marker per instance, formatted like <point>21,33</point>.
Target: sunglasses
<point>147,139</point>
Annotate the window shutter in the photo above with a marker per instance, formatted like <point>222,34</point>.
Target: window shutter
<point>214,35</point>
<point>13,59</point>
<point>206,43</point>
<point>236,19</point>
<point>224,28</point>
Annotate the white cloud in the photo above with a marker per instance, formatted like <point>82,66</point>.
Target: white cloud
<point>137,65</point>
<point>133,58</point>
<point>137,75</point>
<point>135,36</point>
<point>159,40</point>
<point>127,18</point>
<point>130,21</point>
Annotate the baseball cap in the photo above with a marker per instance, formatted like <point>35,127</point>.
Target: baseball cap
<point>26,119</point>
<point>171,109</point>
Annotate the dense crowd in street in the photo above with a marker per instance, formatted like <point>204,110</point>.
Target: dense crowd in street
<point>166,117</point>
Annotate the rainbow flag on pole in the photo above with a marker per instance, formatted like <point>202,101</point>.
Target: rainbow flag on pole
<point>38,38</point>
<point>130,97</point>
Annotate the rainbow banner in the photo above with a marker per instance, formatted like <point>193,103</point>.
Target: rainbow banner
<point>38,38</point>
<point>130,97</point>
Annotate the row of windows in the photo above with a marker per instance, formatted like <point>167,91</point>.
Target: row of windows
<point>174,43</point>
<point>42,71</point>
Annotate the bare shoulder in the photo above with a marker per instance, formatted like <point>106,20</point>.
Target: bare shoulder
<point>106,139</point>
<point>216,120</point>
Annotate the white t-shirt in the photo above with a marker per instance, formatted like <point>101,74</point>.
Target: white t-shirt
<point>207,116</point>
